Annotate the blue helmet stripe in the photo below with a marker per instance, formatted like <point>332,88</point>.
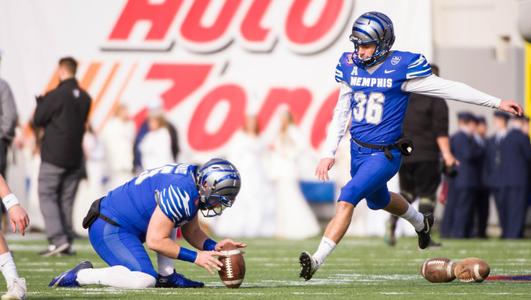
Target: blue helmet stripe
<point>363,32</point>
<point>375,19</point>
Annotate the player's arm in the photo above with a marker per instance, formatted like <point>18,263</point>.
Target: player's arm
<point>158,239</point>
<point>336,131</point>
<point>435,86</point>
<point>194,235</point>
<point>17,215</point>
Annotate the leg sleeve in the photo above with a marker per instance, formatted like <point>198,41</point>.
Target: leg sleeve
<point>116,276</point>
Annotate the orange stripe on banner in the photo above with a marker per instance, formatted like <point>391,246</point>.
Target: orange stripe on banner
<point>96,101</point>
<point>54,81</point>
<point>87,80</point>
<point>117,99</point>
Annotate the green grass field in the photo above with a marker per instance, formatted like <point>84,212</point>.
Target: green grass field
<point>359,268</point>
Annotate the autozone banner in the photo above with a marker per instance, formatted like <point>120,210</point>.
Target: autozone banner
<point>209,62</point>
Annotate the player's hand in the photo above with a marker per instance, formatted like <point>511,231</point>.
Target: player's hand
<point>512,107</point>
<point>323,166</point>
<point>18,219</point>
<point>229,242</point>
<point>209,260</point>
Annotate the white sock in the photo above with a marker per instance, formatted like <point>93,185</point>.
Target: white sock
<point>117,276</point>
<point>325,248</point>
<point>8,268</point>
<point>414,217</point>
<point>165,265</point>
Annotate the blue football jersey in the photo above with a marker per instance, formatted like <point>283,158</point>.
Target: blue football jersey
<point>378,103</point>
<point>171,187</point>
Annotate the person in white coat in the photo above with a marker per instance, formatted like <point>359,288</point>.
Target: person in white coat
<point>295,219</point>
<point>117,137</point>
<point>155,147</point>
<point>253,214</point>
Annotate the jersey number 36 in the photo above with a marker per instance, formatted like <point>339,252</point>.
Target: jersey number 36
<point>370,108</point>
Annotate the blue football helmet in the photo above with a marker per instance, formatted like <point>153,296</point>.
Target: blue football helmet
<point>218,182</point>
<point>372,27</point>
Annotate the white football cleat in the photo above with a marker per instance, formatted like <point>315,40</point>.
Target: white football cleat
<point>16,290</point>
<point>308,265</point>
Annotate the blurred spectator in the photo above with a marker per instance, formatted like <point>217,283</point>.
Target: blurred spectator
<point>8,122</point>
<point>507,169</point>
<point>155,147</point>
<point>462,189</point>
<point>155,107</point>
<point>118,137</point>
<point>63,113</point>
<point>295,219</point>
<point>481,205</point>
<point>95,164</point>
<point>253,214</point>
<point>426,124</point>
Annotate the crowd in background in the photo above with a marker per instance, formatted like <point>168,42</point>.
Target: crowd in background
<point>499,165</point>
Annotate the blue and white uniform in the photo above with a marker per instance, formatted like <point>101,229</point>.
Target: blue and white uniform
<point>171,187</point>
<point>372,104</point>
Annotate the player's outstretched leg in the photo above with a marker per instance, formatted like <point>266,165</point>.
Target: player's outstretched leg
<point>422,223</point>
<point>177,280</point>
<point>335,230</point>
<point>69,278</point>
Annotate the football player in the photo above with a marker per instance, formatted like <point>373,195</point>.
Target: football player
<point>375,84</point>
<point>16,286</point>
<point>148,209</point>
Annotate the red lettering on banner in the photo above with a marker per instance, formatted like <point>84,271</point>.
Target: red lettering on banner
<point>160,15</point>
<point>297,32</point>
<point>186,79</point>
<point>297,100</point>
<point>198,137</point>
<point>324,116</point>
<point>250,27</point>
<point>195,32</point>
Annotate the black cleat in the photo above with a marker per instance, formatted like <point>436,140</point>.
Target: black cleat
<point>308,266</point>
<point>424,234</point>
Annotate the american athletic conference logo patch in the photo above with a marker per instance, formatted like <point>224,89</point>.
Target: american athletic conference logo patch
<point>395,60</point>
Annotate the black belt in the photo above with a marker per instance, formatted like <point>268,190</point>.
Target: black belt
<point>405,146</point>
<point>94,213</point>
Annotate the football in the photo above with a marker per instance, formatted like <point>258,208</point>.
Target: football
<point>438,270</point>
<point>472,270</point>
<point>233,270</point>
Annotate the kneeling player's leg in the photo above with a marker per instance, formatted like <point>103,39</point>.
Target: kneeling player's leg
<point>116,276</point>
<point>124,252</point>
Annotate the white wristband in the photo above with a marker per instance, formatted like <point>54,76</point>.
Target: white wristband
<point>9,201</point>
